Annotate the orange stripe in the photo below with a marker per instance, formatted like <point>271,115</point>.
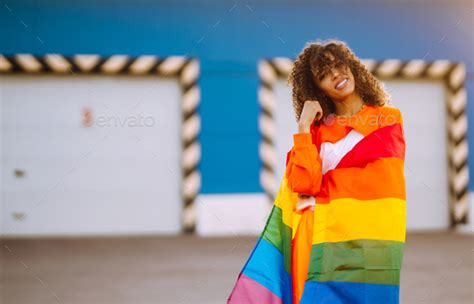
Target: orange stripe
<point>301,251</point>
<point>366,121</point>
<point>381,178</point>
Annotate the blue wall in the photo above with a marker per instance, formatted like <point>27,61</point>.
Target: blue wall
<point>229,38</point>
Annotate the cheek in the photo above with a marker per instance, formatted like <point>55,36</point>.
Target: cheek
<point>351,76</point>
<point>325,86</point>
<point>352,83</point>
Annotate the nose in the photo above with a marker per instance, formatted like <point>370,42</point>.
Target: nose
<point>335,73</point>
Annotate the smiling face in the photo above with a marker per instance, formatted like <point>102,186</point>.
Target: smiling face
<point>337,83</point>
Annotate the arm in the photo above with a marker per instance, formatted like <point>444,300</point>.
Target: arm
<point>304,166</point>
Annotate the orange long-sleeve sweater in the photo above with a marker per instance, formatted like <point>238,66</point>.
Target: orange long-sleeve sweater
<point>303,164</point>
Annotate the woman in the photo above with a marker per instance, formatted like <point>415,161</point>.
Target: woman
<point>337,230</point>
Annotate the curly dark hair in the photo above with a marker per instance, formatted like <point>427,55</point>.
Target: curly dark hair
<point>319,57</point>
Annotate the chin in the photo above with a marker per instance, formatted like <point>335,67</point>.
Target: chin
<point>343,94</point>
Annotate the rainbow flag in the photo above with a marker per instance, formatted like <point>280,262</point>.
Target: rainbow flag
<point>358,235</point>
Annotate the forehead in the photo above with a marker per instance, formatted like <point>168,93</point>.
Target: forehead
<point>325,68</point>
<point>328,59</point>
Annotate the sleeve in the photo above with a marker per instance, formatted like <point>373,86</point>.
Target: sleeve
<point>303,165</point>
<point>400,120</point>
<point>399,117</point>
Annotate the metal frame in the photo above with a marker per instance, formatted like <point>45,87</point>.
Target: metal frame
<point>185,69</point>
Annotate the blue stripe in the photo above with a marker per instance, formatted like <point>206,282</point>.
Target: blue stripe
<point>349,292</point>
<point>266,266</point>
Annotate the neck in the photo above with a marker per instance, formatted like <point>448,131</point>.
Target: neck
<point>349,105</point>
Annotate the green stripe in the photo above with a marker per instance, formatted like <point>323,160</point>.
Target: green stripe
<point>363,260</point>
<point>278,234</point>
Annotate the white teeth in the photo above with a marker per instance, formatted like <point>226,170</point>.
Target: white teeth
<point>341,84</point>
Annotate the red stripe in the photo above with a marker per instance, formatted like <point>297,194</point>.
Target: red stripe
<point>387,141</point>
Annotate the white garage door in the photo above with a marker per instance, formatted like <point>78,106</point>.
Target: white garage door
<point>90,155</point>
<point>423,107</point>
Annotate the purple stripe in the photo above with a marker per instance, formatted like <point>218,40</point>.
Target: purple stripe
<point>249,291</point>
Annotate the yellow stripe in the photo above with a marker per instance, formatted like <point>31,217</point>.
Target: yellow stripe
<point>286,201</point>
<point>296,220</point>
<point>348,219</point>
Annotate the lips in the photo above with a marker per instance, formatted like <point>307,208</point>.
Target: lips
<point>341,83</point>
